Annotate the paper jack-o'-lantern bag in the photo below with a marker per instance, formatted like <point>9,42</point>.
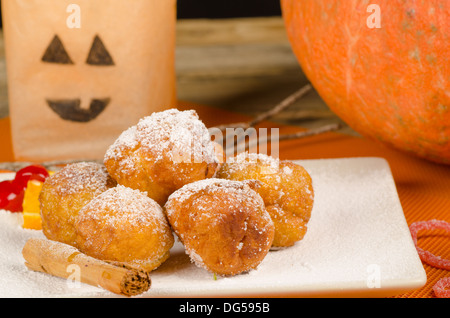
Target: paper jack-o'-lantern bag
<point>80,72</point>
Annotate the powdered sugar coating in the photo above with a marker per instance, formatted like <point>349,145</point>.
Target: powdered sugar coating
<point>255,157</point>
<point>286,189</point>
<point>64,193</point>
<point>120,149</point>
<point>125,226</point>
<point>222,223</point>
<point>239,189</point>
<point>163,152</point>
<point>132,206</point>
<point>79,177</point>
<point>181,133</point>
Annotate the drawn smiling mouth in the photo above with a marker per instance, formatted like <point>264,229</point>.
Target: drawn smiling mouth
<point>70,109</point>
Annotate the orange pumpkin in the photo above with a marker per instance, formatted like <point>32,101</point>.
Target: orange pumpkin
<point>388,81</point>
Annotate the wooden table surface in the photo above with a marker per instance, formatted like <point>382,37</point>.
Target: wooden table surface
<point>244,65</point>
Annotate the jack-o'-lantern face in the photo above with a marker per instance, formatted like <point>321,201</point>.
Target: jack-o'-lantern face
<point>74,87</point>
<point>70,109</point>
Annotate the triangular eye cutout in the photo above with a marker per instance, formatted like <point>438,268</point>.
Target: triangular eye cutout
<point>99,55</point>
<point>56,53</point>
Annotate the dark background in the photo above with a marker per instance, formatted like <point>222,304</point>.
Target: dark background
<point>221,9</point>
<point>213,9</point>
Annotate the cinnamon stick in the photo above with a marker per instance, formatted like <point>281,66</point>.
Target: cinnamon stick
<point>54,258</point>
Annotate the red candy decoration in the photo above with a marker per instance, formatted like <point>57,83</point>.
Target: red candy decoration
<point>442,287</point>
<point>33,172</point>
<point>11,196</point>
<point>426,256</point>
<point>13,191</point>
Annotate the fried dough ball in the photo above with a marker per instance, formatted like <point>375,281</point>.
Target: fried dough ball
<point>124,226</point>
<point>286,189</point>
<point>223,225</point>
<point>162,153</point>
<point>64,193</point>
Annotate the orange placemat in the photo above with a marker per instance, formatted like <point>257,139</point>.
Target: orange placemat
<point>423,187</point>
<point>6,152</point>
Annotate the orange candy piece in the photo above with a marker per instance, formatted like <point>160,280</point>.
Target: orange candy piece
<point>32,221</point>
<point>31,206</point>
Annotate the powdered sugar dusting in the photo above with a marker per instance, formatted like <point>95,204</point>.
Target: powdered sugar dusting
<point>118,150</point>
<point>271,165</point>
<point>132,206</point>
<point>237,188</point>
<point>254,157</point>
<point>81,176</point>
<point>180,135</point>
<point>358,222</point>
<point>216,203</point>
<point>181,131</point>
<point>287,170</point>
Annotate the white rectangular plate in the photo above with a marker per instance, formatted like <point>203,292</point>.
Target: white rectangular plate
<point>358,244</point>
